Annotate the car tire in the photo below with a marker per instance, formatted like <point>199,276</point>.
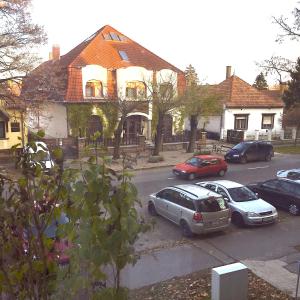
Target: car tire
<point>244,159</point>
<point>191,176</point>
<point>221,173</point>
<point>294,209</point>
<point>237,219</point>
<point>185,228</point>
<point>152,210</point>
<point>268,157</point>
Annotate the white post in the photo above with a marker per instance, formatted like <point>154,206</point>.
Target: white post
<point>293,133</point>
<point>256,135</point>
<point>269,135</point>
<point>230,282</point>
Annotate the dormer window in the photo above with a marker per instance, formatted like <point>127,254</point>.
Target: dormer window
<point>123,55</point>
<point>135,90</point>
<point>93,88</point>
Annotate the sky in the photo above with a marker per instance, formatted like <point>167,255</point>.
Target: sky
<point>209,34</point>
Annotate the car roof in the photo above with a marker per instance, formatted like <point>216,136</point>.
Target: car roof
<point>206,156</point>
<point>197,192</point>
<point>40,146</point>
<point>225,183</point>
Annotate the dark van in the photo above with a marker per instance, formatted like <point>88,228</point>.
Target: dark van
<point>250,151</point>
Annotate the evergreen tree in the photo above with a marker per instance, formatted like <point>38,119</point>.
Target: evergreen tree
<point>260,82</point>
<point>191,75</point>
<point>291,96</point>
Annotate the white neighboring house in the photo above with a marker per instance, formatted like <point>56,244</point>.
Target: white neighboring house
<point>246,109</point>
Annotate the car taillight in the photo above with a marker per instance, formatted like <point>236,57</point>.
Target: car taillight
<point>197,217</point>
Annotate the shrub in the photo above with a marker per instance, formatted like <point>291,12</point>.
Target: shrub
<point>155,159</point>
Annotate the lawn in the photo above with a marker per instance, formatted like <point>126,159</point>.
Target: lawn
<point>196,286</point>
<point>287,149</point>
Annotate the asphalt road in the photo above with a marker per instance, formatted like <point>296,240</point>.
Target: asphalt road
<point>260,243</point>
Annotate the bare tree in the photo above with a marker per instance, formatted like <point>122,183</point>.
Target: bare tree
<point>279,66</point>
<point>165,99</point>
<point>289,29</point>
<point>124,108</point>
<point>18,36</point>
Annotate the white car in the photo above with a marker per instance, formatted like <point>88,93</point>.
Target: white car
<point>39,154</point>
<point>246,207</point>
<point>293,174</point>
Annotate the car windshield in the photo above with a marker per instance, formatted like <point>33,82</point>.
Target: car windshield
<point>240,146</point>
<point>194,161</point>
<point>241,194</point>
<point>40,156</point>
<point>211,204</point>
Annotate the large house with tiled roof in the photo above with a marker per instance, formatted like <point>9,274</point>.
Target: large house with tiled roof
<point>105,66</point>
<point>255,113</point>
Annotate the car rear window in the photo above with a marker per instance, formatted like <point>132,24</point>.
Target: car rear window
<point>211,204</point>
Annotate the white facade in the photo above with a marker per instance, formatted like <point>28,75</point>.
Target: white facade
<point>255,115</point>
<point>52,118</point>
<point>94,72</point>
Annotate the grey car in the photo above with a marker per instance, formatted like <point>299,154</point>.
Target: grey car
<point>246,207</point>
<point>195,209</point>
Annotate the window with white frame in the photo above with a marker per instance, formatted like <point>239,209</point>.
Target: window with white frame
<point>241,121</point>
<point>267,121</point>
<point>93,88</point>
<point>135,90</point>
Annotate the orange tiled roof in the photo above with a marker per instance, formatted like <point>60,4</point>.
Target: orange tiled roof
<point>238,93</point>
<point>100,51</point>
<point>97,50</point>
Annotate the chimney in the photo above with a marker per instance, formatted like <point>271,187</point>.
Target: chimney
<point>55,52</point>
<point>228,71</point>
<point>283,86</point>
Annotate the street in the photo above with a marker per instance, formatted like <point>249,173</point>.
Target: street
<point>182,256</point>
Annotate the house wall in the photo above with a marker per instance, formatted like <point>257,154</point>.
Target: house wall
<point>254,120</point>
<point>212,123</point>
<point>52,118</point>
<point>13,138</point>
<point>95,72</point>
<point>131,74</point>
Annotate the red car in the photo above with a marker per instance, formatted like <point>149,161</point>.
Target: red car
<point>201,165</point>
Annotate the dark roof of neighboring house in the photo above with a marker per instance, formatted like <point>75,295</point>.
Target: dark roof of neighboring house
<point>238,93</point>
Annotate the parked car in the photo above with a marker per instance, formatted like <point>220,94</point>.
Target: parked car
<point>38,155</point>
<point>201,165</point>
<point>293,174</point>
<point>280,192</point>
<point>192,207</point>
<point>58,252</point>
<point>250,151</point>
<point>245,206</point>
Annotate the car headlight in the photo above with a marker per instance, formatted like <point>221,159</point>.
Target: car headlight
<point>235,155</point>
<point>182,171</point>
<point>252,214</point>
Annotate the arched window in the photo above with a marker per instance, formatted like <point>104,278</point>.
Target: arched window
<point>93,88</point>
<point>136,90</point>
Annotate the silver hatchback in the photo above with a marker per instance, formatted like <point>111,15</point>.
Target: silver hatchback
<point>195,209</point>
<point>246,207</point>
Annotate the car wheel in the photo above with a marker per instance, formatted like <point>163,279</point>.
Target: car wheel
<point>268,157</point>
<point>152,210</point>
<point>294,209</point>
<point>191,176</point>
<point>185,228</point>
<point>221,173</point>
<point>237,219</point>
<point>244,160</point>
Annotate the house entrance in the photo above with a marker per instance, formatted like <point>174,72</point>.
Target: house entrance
<point>94,125</point>
<point>133,127</point>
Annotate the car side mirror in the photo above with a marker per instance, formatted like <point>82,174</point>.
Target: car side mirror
<point>226,199</point>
